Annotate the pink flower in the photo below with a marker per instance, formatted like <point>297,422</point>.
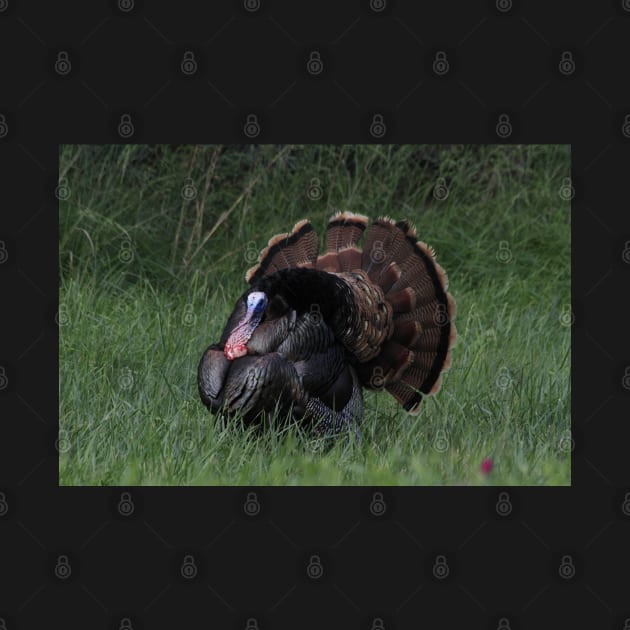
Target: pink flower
<point>486,465</point>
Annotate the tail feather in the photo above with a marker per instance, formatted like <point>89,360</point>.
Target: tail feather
<point>328,262</point>
<point>389,276</point>
<point>344,230</point>
<point>297,248</point>
<point>407,396</point>
<point>342,236</point>
<point>388,367</point>
<point>403,301</point>
<point>383,243</point>
<point>410,276</point>
<point>349,258</point>
<point>407,332</point>
<point>428,341</point>
<point>416,287</point>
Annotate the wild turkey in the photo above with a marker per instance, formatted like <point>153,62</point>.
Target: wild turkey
<point>311,330</point>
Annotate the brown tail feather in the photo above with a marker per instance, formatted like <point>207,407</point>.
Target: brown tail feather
<point>388,367</point>
<point>342,235</point>
<point>383,244</point>
<point>423,334</point>
<point>389,276</point>
<point>295,249</point>
<point>407,332</point>
<point>344,230</point>
<point>349,258</point>
<point>408,397</point>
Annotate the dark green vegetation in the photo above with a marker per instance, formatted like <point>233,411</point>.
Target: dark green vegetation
<point>154,244</point>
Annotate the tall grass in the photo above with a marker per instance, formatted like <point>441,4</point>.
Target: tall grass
<point>154,244</point>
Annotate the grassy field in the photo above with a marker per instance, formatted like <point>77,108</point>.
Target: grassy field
<point>154,243</point>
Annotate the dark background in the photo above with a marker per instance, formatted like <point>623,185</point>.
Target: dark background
<point>71,557</point>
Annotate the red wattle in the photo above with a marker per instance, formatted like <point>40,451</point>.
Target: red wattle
<point>234,351</point>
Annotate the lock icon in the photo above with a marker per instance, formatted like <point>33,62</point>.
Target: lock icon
<point>188,441</point>
<point>567,443</point>
<point>440,63</point>
<point>126,5</point>
<point>314,65</point>
<point>625,506</point>
<point>378,5</point>
<point>3,623</point>
<point>566,316</point>
<point>440,316</point>
<point>566,568</point>
<point>440,190</point>
<point>62,568</point>
<point>4,128</point>
<point>504,255</point>
<point>567,63</point>
<point>126,255</point>
<point>625,255</point>
<point>440,444</point>
<point>567,192</point>
<point>504,5</point>
<point>125,624</point>
<point>504,505</point>
<point>4,379</point>
<point>504,624</point>
<point>189,192</point>
<point>125,126</point>
<point>251,128</point>
<point>440,568</point>
<point>188,317</point>
<point>377,127</point>
<point>251,505</point>
<point>315,570</point>
<point>626,625</point>
<point>378,505</point>
<point>189,63</point>
<point>4,256</point>
<point>377,255</point>
<point>377,380</point>
<point>125,505</point>
<point>378,624</point>
<point>626,378</point>
<point>315,315</point>
<point>625,129</point>
<point>251,624</point>
<point>189,568</point>
<point>251,5</point>
<point>504,126</point>
<point>62,64</point>
<point>62,443</point>
<point>315,191</point>
<point>62,191</point>
<point>4,506</point>
<point>251,253</point>
<point>504,379</point>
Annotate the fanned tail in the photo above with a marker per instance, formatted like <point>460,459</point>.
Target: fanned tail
<point>403,332</point>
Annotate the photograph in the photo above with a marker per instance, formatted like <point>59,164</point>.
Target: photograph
<point>315,315</point>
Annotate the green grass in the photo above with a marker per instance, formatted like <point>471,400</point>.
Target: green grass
<point>148,279</point>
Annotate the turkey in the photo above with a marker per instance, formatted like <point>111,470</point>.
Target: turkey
<point>311,331</point>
